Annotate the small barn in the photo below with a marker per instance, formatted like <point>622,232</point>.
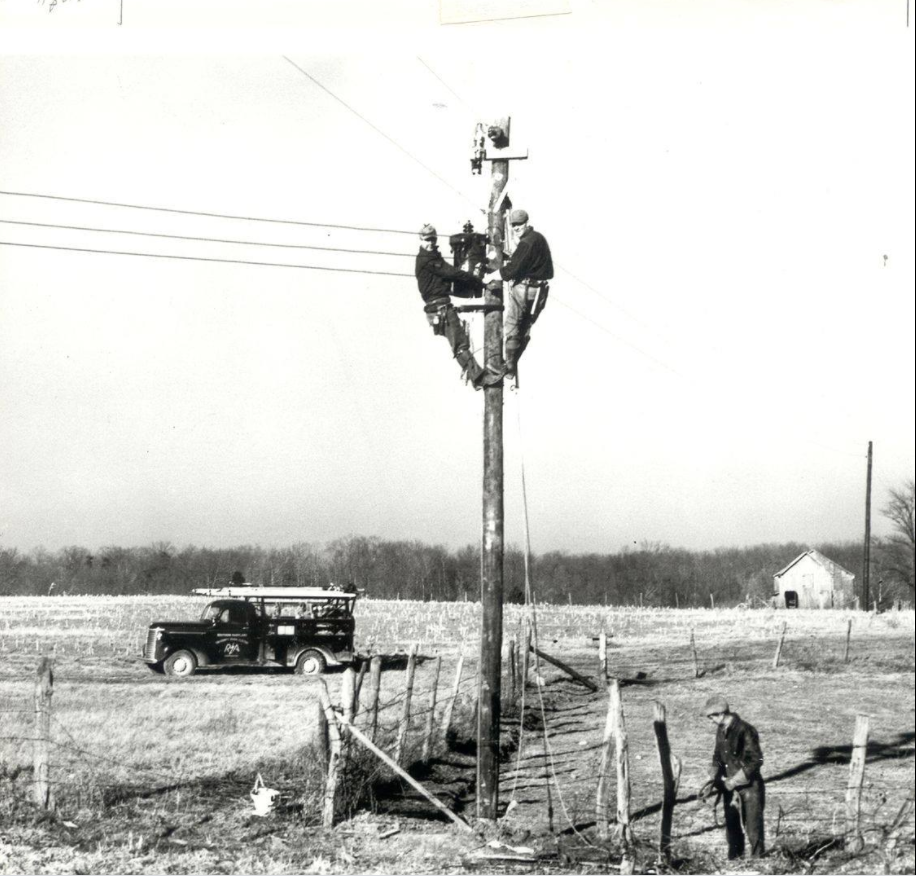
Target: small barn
<point>813,581</point>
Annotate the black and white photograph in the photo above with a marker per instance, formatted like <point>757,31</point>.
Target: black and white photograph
<point>457,437</point>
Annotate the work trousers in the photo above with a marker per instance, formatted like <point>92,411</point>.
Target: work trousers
<point>449,324</point>
<point>745,819</point>
<point>520,317</point>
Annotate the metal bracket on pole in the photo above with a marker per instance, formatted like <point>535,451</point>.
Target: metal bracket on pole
<point>486,309</point>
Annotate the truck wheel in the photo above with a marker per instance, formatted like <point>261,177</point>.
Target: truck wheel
<point>182,663</point>
<point>311,663</point>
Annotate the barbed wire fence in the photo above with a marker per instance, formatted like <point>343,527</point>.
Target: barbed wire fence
<point>816,800</point>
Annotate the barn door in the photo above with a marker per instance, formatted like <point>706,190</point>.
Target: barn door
<point>791,599</point>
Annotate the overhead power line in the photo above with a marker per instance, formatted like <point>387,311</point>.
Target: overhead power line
<point>208,213</point>
<point>203,259</point>
<point>379,131</point>
<point>181,237</point>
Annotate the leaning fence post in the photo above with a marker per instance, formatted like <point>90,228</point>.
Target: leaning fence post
<point>666,762</point>
<point>44,689</point>
<point>782,637</point>
<point>601,803</point>
<point>330,789</point>
<point>854,841</point>
<point>431,715</point>
<point>405,712</point>
<point>696,660</point>
<point>450,706</point>
<point>848,637</point>
<point>375,685</point>
<point>624,832</point>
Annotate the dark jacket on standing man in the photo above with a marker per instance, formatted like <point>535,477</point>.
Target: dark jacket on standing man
<point>531,259</point>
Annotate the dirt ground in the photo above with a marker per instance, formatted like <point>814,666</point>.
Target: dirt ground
<point>192,813</point>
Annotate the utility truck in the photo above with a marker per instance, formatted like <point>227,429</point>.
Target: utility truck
<point>304,629</point>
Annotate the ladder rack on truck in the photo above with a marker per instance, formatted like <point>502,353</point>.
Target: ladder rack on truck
<point>273,595</point>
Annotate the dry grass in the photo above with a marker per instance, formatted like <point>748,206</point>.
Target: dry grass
<point>165,761</point>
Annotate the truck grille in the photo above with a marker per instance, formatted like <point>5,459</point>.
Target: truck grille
<point>149,653</point>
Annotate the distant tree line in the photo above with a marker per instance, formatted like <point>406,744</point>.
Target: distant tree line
<point>652,574</point>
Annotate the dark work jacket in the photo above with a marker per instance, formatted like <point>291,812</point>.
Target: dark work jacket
<point>434,278</point>
<point>737,748</point>
<point>531,259</point>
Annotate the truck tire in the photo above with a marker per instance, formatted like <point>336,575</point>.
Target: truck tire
<point>181,663</point>
<point>311,663</point>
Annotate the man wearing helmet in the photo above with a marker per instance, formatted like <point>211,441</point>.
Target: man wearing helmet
<point>434,280</point>
<point>528,270</point>
<point>735,774</point>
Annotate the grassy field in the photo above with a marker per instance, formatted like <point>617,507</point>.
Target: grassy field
<point>152,775</point>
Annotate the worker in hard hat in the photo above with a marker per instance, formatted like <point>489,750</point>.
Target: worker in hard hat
<point>434,280</point>
<point>528,270</point>
<point>735,774</point>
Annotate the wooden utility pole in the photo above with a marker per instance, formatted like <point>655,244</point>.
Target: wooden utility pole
<point>492,552</point>
<point>491,572</point>
<point>866,560</point>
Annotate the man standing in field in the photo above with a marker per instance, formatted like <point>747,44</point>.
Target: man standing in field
<point>434,280</point>
<point>735,773</point>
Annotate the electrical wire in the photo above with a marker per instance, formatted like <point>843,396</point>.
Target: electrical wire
<point>181,237</point>
<point>209,214</point>
<point>379,131</point>
<point>204,259</point>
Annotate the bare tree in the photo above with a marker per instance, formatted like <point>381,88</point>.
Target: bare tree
<point>898,551</point>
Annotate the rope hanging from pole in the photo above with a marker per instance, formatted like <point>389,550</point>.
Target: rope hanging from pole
<point>531,619</point>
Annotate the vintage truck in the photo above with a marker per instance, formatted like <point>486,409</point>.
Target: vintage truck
<point>305,629</point>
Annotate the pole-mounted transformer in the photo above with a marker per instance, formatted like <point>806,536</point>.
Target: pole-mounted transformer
<point>469,253</point>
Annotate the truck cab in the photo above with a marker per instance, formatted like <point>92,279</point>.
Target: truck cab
<point>304,629</point>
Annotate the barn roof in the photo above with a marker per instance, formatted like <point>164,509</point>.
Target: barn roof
<point>816,556</point>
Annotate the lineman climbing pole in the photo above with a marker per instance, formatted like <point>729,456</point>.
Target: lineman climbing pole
<point>491,144</point>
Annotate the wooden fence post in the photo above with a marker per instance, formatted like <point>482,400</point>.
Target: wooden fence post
<point>375,686</point>
<point>666,762</point>
<point>848,637</point>
<point>450,706</point>
<point>360,676</point>
<point>624,832</point>
<point>44,689</point>
<point>322,740</point>
<point>526,652</point>
<point>330,789</point>
<point>348,694</point>
<point>782,637</point>
<point>405,712</point>
<point>696,660</point>
<point>512,671</point>
<point>854,841</point>
<point>603,769</point>
<point>431,715</point>
<point>602,657</point>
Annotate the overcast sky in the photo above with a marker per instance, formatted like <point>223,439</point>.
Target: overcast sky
<point>729,200</point>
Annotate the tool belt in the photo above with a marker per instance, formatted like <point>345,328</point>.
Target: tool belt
<point>436,312</point>
<point>536,295</point>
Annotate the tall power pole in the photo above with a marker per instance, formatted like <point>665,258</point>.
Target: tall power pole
<point>492,549</point>
<point>866,560</point>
